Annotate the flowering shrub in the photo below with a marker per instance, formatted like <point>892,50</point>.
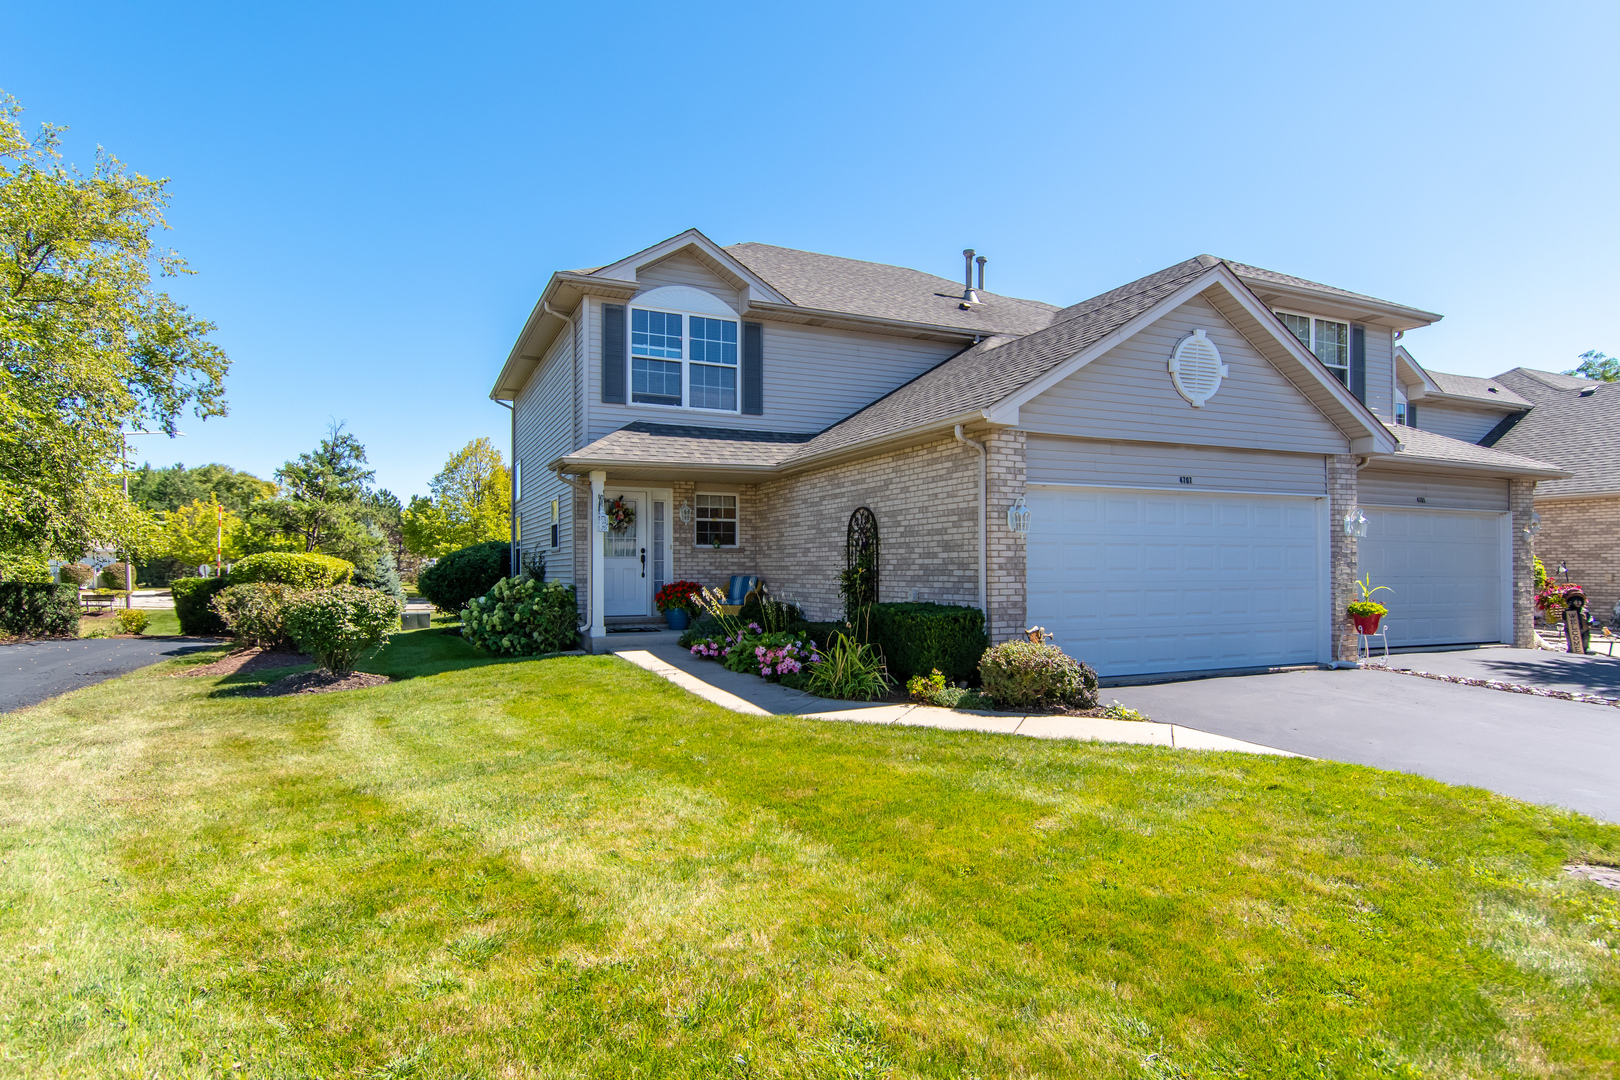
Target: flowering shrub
<point>1023,674</point>
<point>679,594</point>
<point>790,659</point>
<point>522,617</point>
<point>1552,599</point>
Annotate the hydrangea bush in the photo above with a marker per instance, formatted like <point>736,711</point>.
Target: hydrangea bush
<point>339,625</point>
<point>523,617</point>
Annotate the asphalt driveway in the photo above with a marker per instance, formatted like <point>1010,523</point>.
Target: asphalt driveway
<point>1541,750</point>
<point>35,670</point>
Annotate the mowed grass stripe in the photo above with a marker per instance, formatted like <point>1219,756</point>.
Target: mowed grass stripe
<point>571,868</point>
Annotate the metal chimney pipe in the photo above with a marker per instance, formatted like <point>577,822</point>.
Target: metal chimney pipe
<point>967,277</point>
<point>981,260</point>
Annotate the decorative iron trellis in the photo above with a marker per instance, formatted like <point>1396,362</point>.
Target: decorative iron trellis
<point>859,582</point>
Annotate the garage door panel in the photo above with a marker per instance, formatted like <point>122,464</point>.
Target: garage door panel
<point>1193,581</point>
<point>1446,570</point>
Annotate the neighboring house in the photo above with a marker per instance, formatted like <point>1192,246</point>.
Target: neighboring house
<point>1194,449</point>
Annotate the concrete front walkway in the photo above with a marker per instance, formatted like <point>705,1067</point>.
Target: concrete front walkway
<point>754,696</point>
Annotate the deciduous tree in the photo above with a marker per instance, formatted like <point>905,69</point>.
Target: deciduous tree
<point>471,503</point>
<point>1596,365</point>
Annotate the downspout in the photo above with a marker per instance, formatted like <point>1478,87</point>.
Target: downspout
<point>511,498</point>
<point>984,526</point>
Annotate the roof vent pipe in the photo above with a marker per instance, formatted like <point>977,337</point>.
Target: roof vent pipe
<point>981,260</point>
<point>968,295</point>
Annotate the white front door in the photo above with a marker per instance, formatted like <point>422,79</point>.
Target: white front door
<point>1448,571</point>
<point>1136,582</point>
<point>624,560</point>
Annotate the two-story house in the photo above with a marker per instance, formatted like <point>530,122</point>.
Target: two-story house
<point>1171,476</point>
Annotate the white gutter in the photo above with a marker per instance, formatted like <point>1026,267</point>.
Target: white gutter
<point>984,526</point>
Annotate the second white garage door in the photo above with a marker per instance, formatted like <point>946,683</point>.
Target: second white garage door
<point>1448,572</point>
<point>1141,582</point>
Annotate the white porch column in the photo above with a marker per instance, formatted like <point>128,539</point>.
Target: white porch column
<point>598,619</point>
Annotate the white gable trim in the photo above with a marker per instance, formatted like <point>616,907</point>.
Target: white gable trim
<point>1369,427</point>
<point>754,287</point>
<point>1405,362</point>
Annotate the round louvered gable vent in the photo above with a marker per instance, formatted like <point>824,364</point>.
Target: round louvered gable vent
<point>1196,368</point>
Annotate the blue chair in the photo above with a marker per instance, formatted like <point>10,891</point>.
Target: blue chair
<point>737,593</point>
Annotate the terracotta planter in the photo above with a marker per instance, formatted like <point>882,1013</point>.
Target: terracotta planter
<point>677,618</point>
<point>1366,624</point>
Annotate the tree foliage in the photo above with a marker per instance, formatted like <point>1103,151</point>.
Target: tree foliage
<point>87,345</point>
<point>1596,365</point>
<point>165,489</point>
<point>471,503</point>
<point>324,500</point>
<point>195,533</point>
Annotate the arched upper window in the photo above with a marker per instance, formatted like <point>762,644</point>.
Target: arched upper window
<point>683,350</point>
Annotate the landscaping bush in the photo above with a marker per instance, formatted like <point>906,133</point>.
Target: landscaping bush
<point>848,670</point>
<point>451,583</point>
<point>256,613</point>
<point>112,577</point>
<point>131,621</point>
<point>191,604</point>
<point>382,574</point>
<point>523,617</point>
<point>337,626</point>
<point>917,638</point>
<point>701,630</point>
<point>1024,675</point>
<point>301,570</point>
<point>33,609</point>
<point>931,689</point>
<point>77,574</point>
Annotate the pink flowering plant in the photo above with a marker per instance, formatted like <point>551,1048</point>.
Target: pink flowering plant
<point>720,646</point>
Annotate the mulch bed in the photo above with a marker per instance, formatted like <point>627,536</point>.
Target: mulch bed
<point>320,682</point>
<point>248,661</point>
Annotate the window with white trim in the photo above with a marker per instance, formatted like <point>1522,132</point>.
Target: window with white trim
<point>1327,339</point>
<point>683,360</point>
<point>716,521</point>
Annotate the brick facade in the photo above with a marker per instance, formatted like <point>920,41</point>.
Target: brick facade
<point>1006,480</point>
<point>711,566</point>
<point>926,501</point>
<point>1583,533</point>
<point>1341,477</point>
<point>1521,501</point>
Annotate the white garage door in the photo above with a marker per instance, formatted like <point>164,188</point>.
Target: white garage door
<point>1138,582</point>
<point>1448,570</point>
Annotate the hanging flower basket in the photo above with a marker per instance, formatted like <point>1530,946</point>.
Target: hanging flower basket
<point>1366,615</point>
<point>620,514</point>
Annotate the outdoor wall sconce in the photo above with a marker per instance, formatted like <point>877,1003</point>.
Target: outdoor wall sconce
<point>1355,523</point>
<point>602,524</point>
<point>1535,524</point>
<point>1018,517</point>
<point>685,512</point>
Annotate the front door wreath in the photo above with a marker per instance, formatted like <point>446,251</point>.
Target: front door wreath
<point>620,514</point>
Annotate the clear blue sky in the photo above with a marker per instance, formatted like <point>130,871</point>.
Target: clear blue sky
<point>373,195</point>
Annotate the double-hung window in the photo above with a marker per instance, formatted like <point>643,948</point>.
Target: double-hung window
<point>656,347</point>
<point>1327,339</point>
<point>683,360</point>
<point>716,524</point>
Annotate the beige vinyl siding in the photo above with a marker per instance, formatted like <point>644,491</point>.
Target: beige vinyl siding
<point>814,377</point>
<point>683,269</point>
<point>1381,371</point>
<point>1127,394</point>
<point>544,432</point>
<point>1457,422</point>
<point>1091,462</point>
<point>1400,487</point>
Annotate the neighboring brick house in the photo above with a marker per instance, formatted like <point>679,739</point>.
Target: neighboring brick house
<point>1196,451</point>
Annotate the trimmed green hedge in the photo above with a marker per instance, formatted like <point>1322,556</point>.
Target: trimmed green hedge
<point>31,609</point>
<point>455,580</point>
<point>191,597</point>
<point>917,638</point>
<point>298,569</point>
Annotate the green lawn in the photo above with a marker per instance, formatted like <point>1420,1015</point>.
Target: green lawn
<point>570,868</point>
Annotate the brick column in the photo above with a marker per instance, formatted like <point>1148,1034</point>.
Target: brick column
<point>1005,568</point>
<point>1341,553</point>
<point>1522,502</point>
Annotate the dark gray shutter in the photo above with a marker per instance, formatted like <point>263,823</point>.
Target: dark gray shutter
<point>1358,363</point>
<point>753,369</point>
<point>1411,415</point>
<point>614,355</point>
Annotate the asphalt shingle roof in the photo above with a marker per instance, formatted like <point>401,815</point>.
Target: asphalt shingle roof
<point>1575,423</point>
<point>1479,389</point>
<point>678,444</point>
<point>831,283</point>
<point>1260,274</point>
<point>1417,443</point>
